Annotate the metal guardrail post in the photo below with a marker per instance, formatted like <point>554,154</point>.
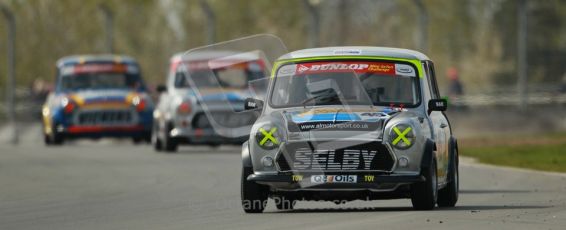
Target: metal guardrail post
<point>11,77</point>
<point>422,35</point>
<point>522,62</point>
<point>108,27</point>
<point>314,22</point>
<point>210,21</point>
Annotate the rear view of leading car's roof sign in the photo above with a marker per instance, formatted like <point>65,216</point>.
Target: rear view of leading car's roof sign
<point>357,67</point>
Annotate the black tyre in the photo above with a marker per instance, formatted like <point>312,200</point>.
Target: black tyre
<point>424,194</point>
<point>283,203</point>
<point>253,195</point>
<point>170,144</point>
<point>53,138</point>
<point>47,139</point>
<point>448,196</point>
<point>155,140</point>
<point>136,140</point>
<point>143,139</point>
<point>147,138</point>
<point>57,139</point>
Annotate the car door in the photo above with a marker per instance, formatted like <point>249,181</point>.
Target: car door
<point>440,126</point>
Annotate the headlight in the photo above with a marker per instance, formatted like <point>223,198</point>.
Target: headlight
<point>402,136</point>
<point>139,103</point>
<point>68,105</point>
<point>268,137</point>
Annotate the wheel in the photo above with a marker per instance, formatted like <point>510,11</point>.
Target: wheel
<point>157,145</point>
<point>253,195</point>
<point>47,139</point>
<point>283,203</point>
<point>143,139</point>
<point>57,139</point>
<point>53,138</point>
<point>424,194</point>
<point>136,140</point>
<point>146,137</point>
<point>170,144</point>
<point>448,196</point>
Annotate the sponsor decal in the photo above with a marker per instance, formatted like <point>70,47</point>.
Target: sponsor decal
<point>302,68</point>
<point>322,67</point>
<point>297,178</point>
<point>348,159</point>
<point>213,64</point>
<point>369,178</point>
<point>196,65</point>
<point>98,68</point>
<point>348,66</point>
<point>239,60</point>
<point>386,68</point>
<point>348,52</point>
<point>373,114</point>
<point>326,117</point>
<point>287,70</point>
<point>334,126</point>
<point>88,68</point>
<point>356,67</point>
<point>333,110</point>
<point>404,70</point>
<point>330,119</point>
<point>319,179</point>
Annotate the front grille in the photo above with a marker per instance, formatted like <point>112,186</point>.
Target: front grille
<point>334,156</point>
<point>104,117</point>
<point>225,119</point>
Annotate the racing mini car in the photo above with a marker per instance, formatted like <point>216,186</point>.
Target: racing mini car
<point>203,90</point>
<point>350,123</point>
<point>97,96</point>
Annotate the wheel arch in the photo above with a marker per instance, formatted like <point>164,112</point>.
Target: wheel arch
<point>428,155</point>
<point>453,155</point>
<point>246,158</point>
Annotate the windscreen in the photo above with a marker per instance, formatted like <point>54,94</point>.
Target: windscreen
<point>224,75</point>
<point>100,81</point>
<point>234,76</point>
<point>99,76</point>
<point>331,83</point>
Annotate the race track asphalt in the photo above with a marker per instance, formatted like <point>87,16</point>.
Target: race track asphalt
<point>117,185</point>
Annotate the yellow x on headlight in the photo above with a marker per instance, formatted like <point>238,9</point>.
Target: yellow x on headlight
<point>267,139</point>
<point>402,136</point>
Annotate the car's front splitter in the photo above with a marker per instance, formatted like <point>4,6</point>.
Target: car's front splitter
<point>363,181</point>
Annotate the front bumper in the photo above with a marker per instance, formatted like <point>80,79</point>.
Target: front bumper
<point>95,131</point>
<point>365,181</point>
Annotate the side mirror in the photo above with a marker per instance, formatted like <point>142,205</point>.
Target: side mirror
<point>253,104</point>
<point>160,88</point>
<point>437,105</point>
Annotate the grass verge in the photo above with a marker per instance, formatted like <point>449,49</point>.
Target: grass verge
<point>547,153</point>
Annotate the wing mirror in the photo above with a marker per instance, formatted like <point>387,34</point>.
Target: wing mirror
<point>253,104</point>
<point>437,105</point>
